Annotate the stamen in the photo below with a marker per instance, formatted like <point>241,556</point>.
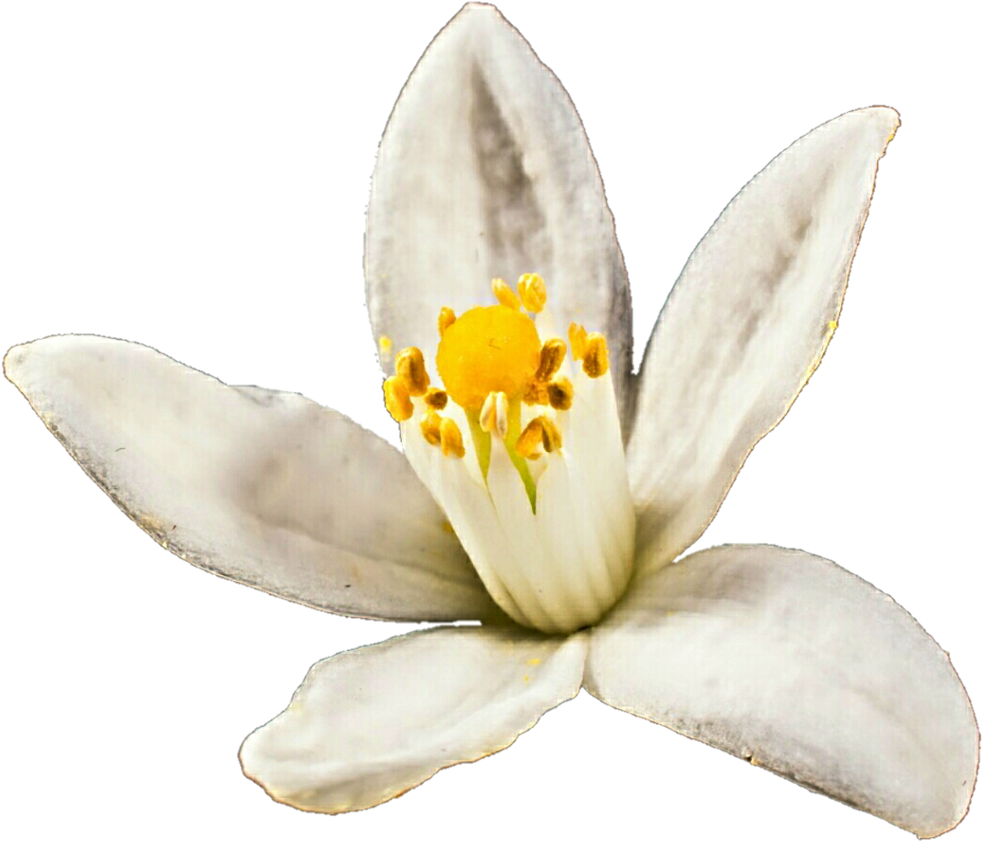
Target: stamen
<point>435,398</point>
<point>577,340</point>
<point>595,359</point>
<point>502,291</point>
<point>397,401</point>
<point>445,319</point>
<point>430,427</point>
<point>494,414</point>
<point>412,370</point>
<point>540,435</point>
<point>560,392</point>
<point>550,359</point>
<point>451,441</point>
<point>532,291</point>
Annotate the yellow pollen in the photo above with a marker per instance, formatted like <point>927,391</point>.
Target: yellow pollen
<point>577,340</point>
<point>430,427</point>
<point>435,398</point>
<point>397,401</point>
<point>560,392</point>
<point>488,349</point>
<point>384,349</point>
<point>550,360</point>
<point>445,319</point>
<point>532,291</point>
<point>411,369</point>
<point>502,291</point>
<point>451,441</point>
<point>540,435</point>
<point>595,360</point>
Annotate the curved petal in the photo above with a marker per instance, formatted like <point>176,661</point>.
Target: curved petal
<point>747,324</point>
<point>790,662</point>
<point>263,487</point>
<point>369,724</point>
<point>485,171</point>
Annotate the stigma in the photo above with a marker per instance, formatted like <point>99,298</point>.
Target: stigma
<point>519,443</point>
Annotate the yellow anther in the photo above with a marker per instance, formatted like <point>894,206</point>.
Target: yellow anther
<point>550,359</point>
<point>435,398</point>
<point>577,340</point>
<point>397,400</point>
<point>488,349</point>
<point>595,360</point>
<point>430,427</point>
<point>384,349</point>
<point>560,392</point>
<point>412,370</point>
<point>445,319</point>
<point>494,414</point>
<point>451,441</point>
<point>540,435</point>
<point>532,291</point>
<point>537,394</point>
<point>502,291</point>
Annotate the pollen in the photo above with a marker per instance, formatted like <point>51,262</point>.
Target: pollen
<point>539,436</point>
<point>411,369</point>
<point>595,359</point>
<point>451,441</point>
<point>445,319</point>
<point>560,394</point>
<point>435,398</point>
<point>550,359</point>
<point>397,401</point>
<point>384,349</point>
<point>532,291</point>
<point>485,350</point>
<point>577,340</point>
<point>503,292</point>
<point>430,427</point>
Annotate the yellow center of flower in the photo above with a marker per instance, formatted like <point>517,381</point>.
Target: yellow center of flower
<point>488,349</point>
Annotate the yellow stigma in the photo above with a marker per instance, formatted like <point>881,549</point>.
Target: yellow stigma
<point>488,349</point>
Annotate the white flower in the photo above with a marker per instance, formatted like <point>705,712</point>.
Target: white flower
<point>772,654</point>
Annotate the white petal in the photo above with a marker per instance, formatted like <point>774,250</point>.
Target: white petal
<point>747,324</point>
<point>485,171</point>
<point>369,724</point>
<point>788,661</point>
<point>266,488</point>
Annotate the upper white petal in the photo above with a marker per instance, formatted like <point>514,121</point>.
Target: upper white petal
<point>485,171</point>
<point>746,325</point>
<point>368,724</point>
<point>266,488</point>
<point>790,662</point>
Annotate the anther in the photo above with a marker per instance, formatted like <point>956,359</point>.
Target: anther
<point>577,340</point>
<point>430,427</point>
<point>445,319</point>
<point>532,291</point>
<point>540,435</point>
<point>494,414</point>
<point>502,291</point>
<point>397,400</point>
<point>451,441</point>
<point>435,398</point>
<point>595,359</point>
<point>550,359</point>
<point>560,392</point>
<point>412,370</point>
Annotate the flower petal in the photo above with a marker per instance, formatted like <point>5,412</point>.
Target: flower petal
<point>787,660</point>
<point>266,488</point>
<point>369,724</point>
<point>485,171</point>
<point>747,324</point>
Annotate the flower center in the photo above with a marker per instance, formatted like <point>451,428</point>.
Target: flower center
<point>535,486</point>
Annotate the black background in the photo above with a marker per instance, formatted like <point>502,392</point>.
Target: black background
<point>199,185</point>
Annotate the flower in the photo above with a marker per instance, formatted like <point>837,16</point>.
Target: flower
<point>742,647</point>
